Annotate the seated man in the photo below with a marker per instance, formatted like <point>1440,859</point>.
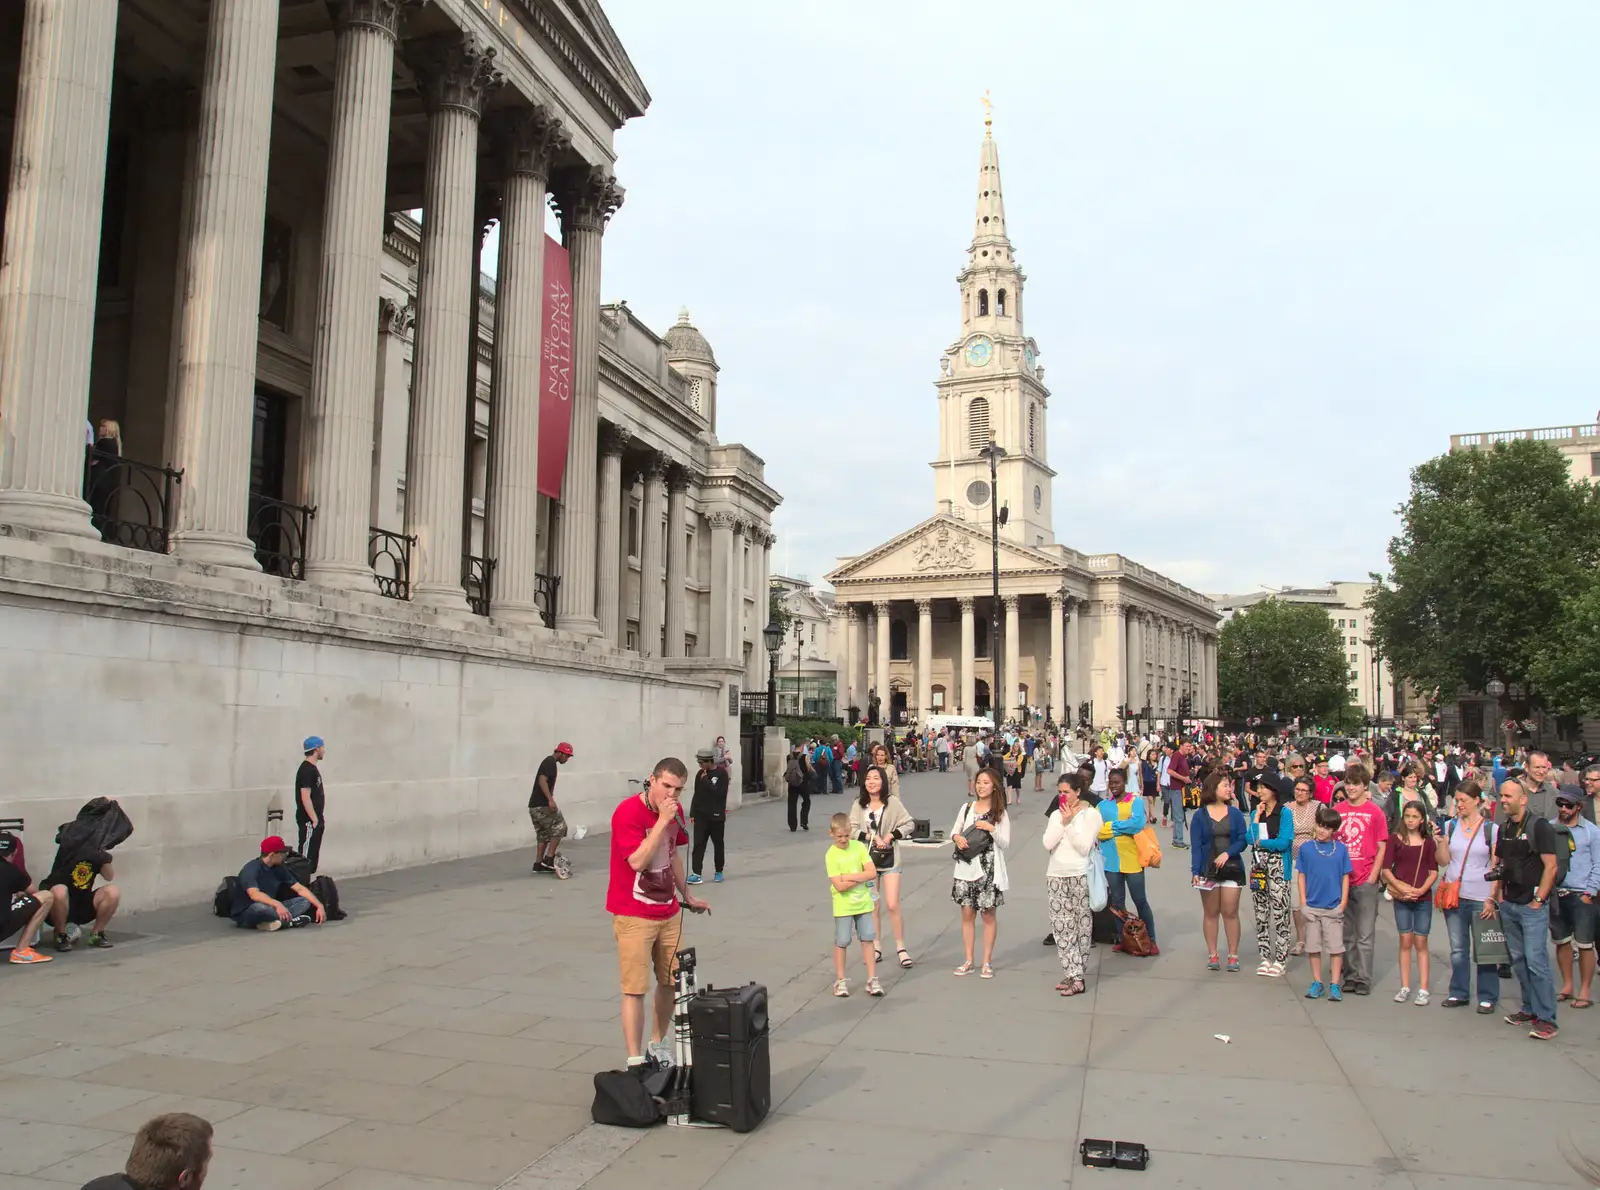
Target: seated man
<point>268,897</point>
<point>170,1152</point>
<point>75,901</point>
<point>22,907</point>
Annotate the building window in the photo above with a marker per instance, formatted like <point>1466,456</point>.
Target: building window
<point>897,640</point>
<point>1341,623</point>
<point>980,636</point>
<point>813,634</point>
<point>1000,303</point>
<point>1352,642</point>
<point>1594,463</point>
<point>1352,662</point>
<point>938,698</point>
<point>633,534</point>
<point>1033,429</point>
<point>978,423</point>
<point>633,636</point>
<point>983,302</point>
<point>695,395</point>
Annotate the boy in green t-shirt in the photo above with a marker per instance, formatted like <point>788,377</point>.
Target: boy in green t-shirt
<point>850,872</point>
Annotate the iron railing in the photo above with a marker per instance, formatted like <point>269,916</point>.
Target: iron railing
<point>131,502</point>
<point>544,597</point>
<point>279,530</point>
<point>389,555</point>
<point>477,575</point>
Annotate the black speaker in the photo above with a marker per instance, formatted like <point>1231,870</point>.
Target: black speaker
<point>732,1081</point>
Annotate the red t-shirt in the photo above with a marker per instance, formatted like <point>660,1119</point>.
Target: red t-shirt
<point>1178,771</point>
<point>627,896</point>
<point>1324,787</point>
<point>1363,829</point>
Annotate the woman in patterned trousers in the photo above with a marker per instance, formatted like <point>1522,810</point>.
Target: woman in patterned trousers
<point>1272,833</point>
<point>1070,835</point>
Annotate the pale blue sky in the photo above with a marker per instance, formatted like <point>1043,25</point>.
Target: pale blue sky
<point>1277,251</point>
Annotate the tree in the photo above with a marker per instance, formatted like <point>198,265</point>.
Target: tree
<point>1492,545</point>
<point>1284,658</point>
<point>1566,667</point>
<point>778,608</point>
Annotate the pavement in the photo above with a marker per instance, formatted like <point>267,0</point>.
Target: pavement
<point>445,1036</point>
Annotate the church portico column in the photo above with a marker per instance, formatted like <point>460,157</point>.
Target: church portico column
<point>860,678</point>
<point>1011,696</point>
<point>1058,661</point>
<point>338,431</point>
<point>969,653</point>
<point>613,442</point>
<point>851,620</point>
<point>214,385</point>
<point>880,677</point>
<point>1074,677</point>
<point>587,199</point>
<point>722,577</point>
<point>677,525</point>
<point>1114,633</point>
<point>455,73</point>
<point>49,272</point>
<point>924,659</point>
<point>530,139</point>
<point>651,558</point>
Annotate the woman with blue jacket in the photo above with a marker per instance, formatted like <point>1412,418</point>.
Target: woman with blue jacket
<point>1272,832</point>
<point>1218,836</point>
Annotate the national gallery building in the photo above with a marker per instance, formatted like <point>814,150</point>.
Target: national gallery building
<point>1080,633</point>
<point>279,458</point>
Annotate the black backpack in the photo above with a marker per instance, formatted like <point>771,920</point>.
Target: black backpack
<point>328,893</point>
<point>222,899</point>
<point>622,1099</point>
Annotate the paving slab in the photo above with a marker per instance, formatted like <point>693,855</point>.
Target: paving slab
<point>428,1044</point>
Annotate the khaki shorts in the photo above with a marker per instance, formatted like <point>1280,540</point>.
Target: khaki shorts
<point>1324,931</point>
<point>643,943</point>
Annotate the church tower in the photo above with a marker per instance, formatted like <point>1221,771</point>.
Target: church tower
<point>991,385</point>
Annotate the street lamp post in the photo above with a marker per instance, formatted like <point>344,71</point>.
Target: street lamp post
<point>799,645</point>
<point>772,637</point>
<point>1496,689</point>
<point>994,452</point>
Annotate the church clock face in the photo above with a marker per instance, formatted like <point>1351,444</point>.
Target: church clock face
<point>980,351</point>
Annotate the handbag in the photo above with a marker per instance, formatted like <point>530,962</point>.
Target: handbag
<point>1099,893</point>
<point>1448,894</point>
<point>978,841</point>
<point>882,857</point>
<point>1149,848</point>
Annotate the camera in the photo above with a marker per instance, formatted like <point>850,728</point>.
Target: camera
<point>1495,873</point>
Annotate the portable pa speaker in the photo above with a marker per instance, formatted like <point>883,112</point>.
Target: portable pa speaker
<point>732,1083</point>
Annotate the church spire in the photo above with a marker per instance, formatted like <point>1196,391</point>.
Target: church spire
<point>989,241</point>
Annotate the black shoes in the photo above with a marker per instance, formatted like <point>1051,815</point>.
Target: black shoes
<point>1049,939</point>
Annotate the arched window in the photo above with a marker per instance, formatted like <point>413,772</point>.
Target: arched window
<point>1000,303</point>
<point>977,423</point>
<point>897,640</point>
<point>1033,429</point>
<point>983,302</point>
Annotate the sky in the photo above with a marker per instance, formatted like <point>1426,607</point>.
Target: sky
<point>1277,251</point>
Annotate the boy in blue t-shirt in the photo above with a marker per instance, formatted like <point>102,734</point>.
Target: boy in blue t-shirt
<point>1322,868</point>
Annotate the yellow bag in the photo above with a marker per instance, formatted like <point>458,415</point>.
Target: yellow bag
<point>1149,848</point>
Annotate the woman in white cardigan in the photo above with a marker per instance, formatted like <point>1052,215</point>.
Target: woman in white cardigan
<point>1070,836</point>
<point>981,882</point>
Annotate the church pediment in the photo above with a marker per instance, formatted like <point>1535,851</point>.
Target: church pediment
<point>937,548</point>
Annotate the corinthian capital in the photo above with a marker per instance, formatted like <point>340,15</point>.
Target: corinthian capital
<point>530,139</point>
<point>454,70</point>
<point>586,197</point>
<point>381,15</point>
<point>614,439</point>
<point>396,318</point>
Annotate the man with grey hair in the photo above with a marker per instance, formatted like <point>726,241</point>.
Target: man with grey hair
<point>1541,786</point>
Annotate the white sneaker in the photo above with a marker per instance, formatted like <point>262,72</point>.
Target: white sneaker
<point>841,987</point>
<point>1403,996</point>
<point>661,1051</point>
<point>1422,998</point>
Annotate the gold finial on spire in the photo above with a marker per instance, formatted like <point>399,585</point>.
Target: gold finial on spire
<point>988,115</point>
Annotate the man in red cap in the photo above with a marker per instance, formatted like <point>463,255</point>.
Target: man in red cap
<point>548,824</point>
<point>267,896</point>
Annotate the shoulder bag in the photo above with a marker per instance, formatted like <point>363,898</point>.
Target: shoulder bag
<point>1099,894</point>
<point>882,857</point>
<point>1448,894</point>
<point>978,841</point>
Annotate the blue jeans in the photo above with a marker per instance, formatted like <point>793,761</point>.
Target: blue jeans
<point>1528,939</point>
<point>257,913</point>
<point>944,762</point>
<point>1172,805</point>
<point>1458,923</point>
<point>1118,886</point>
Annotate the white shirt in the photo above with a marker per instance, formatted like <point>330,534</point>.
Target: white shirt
<point>971,869</point>
<point>1069,846</point>
<point>1117,756</point>
<point>1101,768</point>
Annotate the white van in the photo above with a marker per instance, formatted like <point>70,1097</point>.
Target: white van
<point>938,723</point>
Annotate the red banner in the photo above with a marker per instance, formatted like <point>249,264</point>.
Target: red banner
<point>555,369</point>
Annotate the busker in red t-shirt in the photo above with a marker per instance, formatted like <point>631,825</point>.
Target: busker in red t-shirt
<point>644,897</point>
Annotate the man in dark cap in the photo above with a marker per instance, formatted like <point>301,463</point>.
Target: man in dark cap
<point>708,813</point>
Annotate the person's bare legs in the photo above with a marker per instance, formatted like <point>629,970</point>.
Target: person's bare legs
<point>1586,958</point>
<point>1209,907</point>
<point>1228,901</point>
<point>666,1001</point>
<point>1419,943</point>
<point>1337,968</point>
<point>1564,965</point>
<point>46,901</point>
<point>1405,959</point>
<point>107,899</point>
<point>889,888</point>
<point>869,956</point>
<point>840,954</point>
<point>1315,958</point>
<point>58,908</point>
<point>968,920</point>
<point>633,1025</point>
<point>991,930</point>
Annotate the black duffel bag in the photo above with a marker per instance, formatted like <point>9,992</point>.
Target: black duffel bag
<point>624,1099</point>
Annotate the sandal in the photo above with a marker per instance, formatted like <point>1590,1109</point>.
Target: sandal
<point>964,969</point>
<point>1563,997</point>
<point>1074,989</point>
<point>1580,1003</point>
<point>1299,949</point>
<point>1063,985</point>
<point>987,972</point>
<point>905,959</point>
<point>877,955</point>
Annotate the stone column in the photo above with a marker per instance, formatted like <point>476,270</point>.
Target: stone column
<point>586,198</point>
<point>969,660</point>
<point>880,677</point>
<point>529,139</point>
<point>1074,678</point>
<point>613,441</point>
<point>214,395</point>
<point>735,593</point>
<point>1058,659</point>
<point>392,410</point>
<point>1211,675</point>
<point>924,659</point>
<point>337,428</point>
<point>677,528</point>
<point>1013,659</point>
<point>652,558</point>
<point>1135,663</point>
<point>49,270</point>
<point>755,674</point>
<point>455,72</point>
<point>851,618</point>
<point>1116,625</point>
<point>722,577</point>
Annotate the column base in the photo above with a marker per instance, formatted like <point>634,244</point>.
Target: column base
<point>450,597</point>
<point>520,614</point>
<point>46,512</point>
<point>341,576</point>
<point>578,625</point>
<point>217,549</point>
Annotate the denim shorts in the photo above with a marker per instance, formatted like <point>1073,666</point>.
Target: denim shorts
<point>860,925</point>
<point>1414,917</point>
<point>1571,920</point>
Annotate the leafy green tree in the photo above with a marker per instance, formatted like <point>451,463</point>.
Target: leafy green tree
<point>1566,667</point>
<point>778,609</point>
<point>1284,658</point>
<point>1493,543</point>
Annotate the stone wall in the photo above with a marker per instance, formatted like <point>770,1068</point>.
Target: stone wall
<point>185,693</point>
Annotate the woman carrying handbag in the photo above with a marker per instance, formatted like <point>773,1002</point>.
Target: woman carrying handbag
<point>879,820</point>
<point>1218,836</point>
<point>981,833</point>
<point>1465,851</point>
